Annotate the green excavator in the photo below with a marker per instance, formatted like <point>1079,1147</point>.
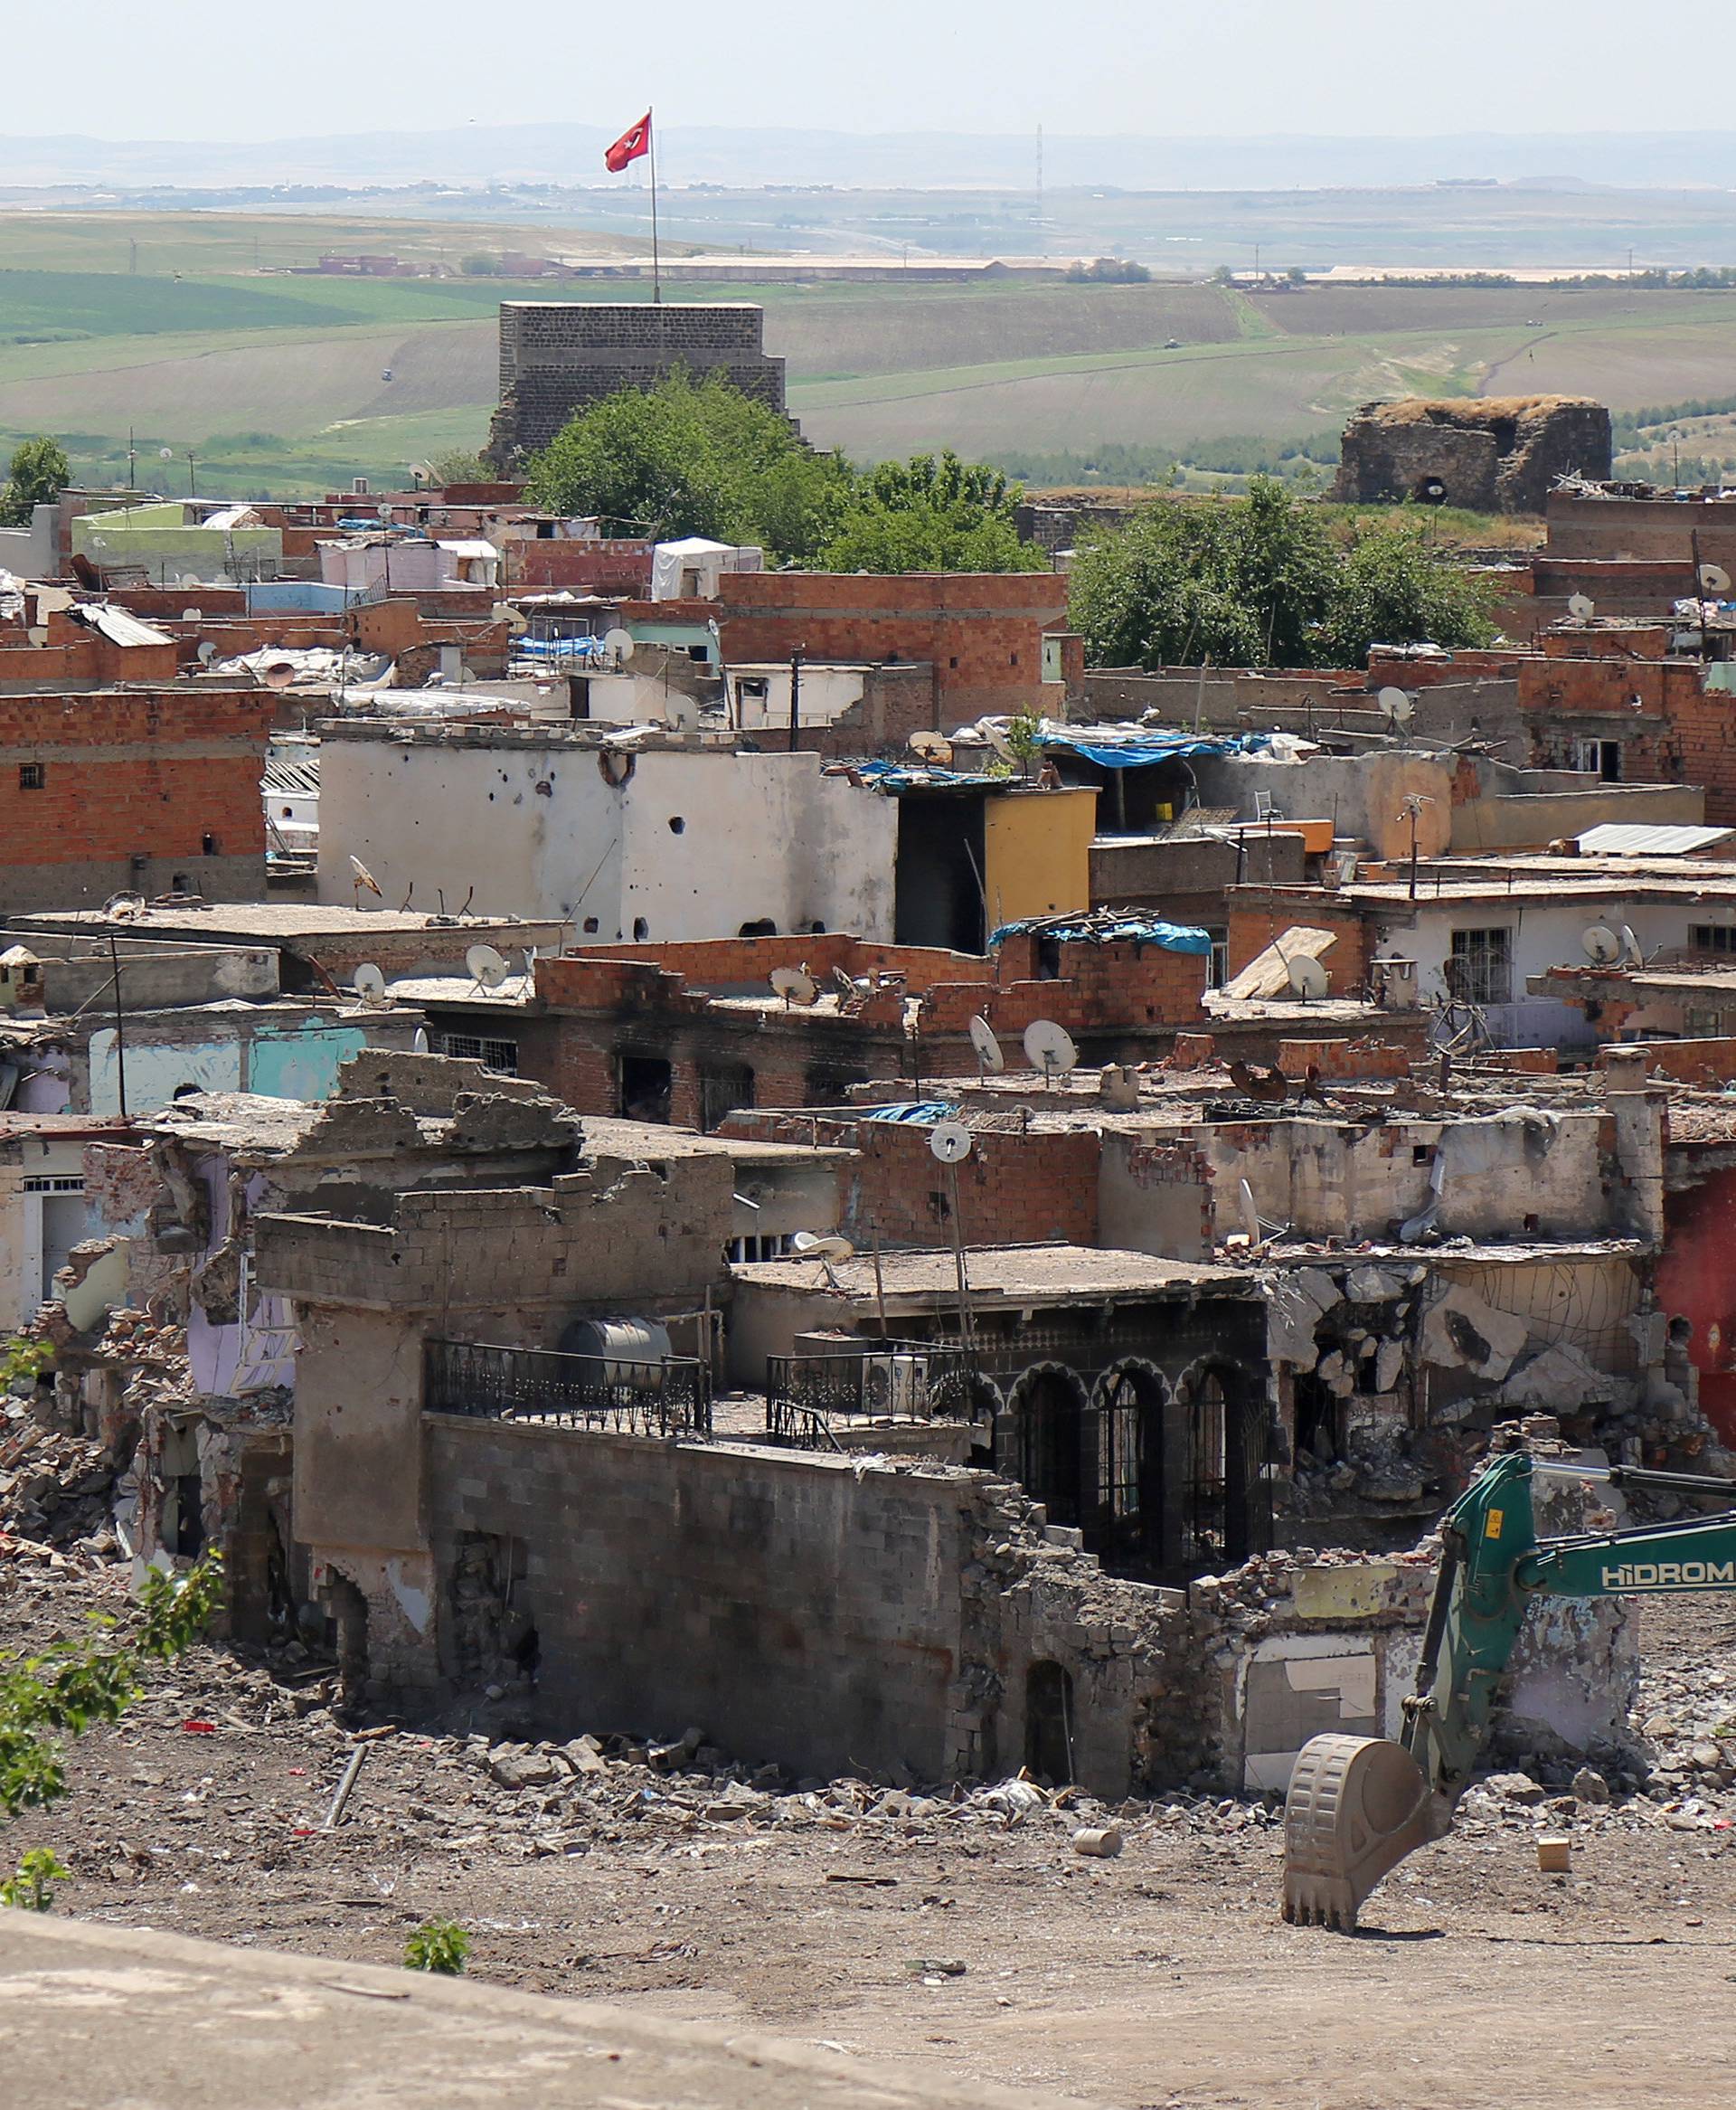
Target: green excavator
<point>1358,1805</point>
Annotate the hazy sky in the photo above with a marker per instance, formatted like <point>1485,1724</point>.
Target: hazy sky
<point>209,69</point>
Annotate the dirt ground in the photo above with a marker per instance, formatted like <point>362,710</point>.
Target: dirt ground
<point>949,1931</point>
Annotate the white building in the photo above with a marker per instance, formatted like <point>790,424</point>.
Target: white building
<point>658,838</point>
<point>1478,938</point>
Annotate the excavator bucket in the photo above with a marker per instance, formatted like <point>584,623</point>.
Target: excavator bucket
<point>1356,1806</point>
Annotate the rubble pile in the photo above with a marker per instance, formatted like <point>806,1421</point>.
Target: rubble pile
<point>55,1486</point>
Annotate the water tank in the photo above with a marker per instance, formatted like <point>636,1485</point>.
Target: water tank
<point>632,1348</point>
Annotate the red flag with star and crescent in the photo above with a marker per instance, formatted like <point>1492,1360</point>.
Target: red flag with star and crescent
<point>633,142</point>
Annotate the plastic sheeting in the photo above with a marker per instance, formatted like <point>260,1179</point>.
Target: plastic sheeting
<point>1111,930</point>
<point>915,1112</point>
<point>1141,750</point>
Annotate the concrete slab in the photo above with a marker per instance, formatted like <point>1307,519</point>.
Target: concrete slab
<point>126,2019</point>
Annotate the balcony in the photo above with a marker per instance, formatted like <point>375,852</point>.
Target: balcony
<point>668,1398</point>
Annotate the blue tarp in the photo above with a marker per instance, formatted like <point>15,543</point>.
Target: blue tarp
<point>905,776</point>
<point>918,1112</point>
<point>1112,931</point>
<point>1141,752</point>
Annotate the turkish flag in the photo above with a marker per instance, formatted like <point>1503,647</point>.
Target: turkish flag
<point>633,142</point>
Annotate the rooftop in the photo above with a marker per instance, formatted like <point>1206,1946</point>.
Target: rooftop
<point>999,1275</point>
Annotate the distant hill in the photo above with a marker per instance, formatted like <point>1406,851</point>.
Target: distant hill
<point>743,156</point>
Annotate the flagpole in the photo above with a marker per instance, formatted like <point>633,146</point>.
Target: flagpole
<point>656,264</point>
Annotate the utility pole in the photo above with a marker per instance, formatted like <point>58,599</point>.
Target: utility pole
<point>120,1028</point>
<point>796,695</point>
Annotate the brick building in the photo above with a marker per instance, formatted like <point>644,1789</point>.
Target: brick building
<point>155,791</point>
<point>557,358</point>
<point>994,642</point>
<point>689,1033</point>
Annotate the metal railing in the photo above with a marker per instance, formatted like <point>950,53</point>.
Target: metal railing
<point>879,1381</point>
<point>668,1398</point>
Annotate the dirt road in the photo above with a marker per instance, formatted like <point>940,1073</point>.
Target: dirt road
<point>840,1915</point>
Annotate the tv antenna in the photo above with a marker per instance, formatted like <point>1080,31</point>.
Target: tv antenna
<point>485,966</point>
<point>1050,1048</point>
<point>933,747</point>
<point>1307,978</point>
<point>989,1059</point>
<point>794,985</point>
<point>949,1142</point>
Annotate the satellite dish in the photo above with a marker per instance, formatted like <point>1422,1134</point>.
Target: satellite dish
<point>620,643</point>
<point>1632,952</point>
<point>997,738</point>
<point>1580,607</point>
<point>369,982</point>
<point>932,746</point>
<point>1399,706</point>
<point>815,1245</point>
<point>418,1044</point>
<point>193,615</point>
<point>949,1140</point>
<point>166,454</point>
<point>360,876</point>
<point>1050,1047</point>
<point>1246,1210</point>
<point>988,1049</point>
<point>279,675</point>
<point>124,905</point>
<point>207,651</point>
<point>794,985</point>
<point>1307,978</point>
<point>1714,579</point>
<point>1602,947</point>
<point>485,966</point>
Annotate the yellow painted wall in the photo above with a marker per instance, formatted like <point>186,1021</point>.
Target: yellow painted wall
<point>1037,853</point>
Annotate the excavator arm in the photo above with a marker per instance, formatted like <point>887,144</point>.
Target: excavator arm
<point>1358,1805</point>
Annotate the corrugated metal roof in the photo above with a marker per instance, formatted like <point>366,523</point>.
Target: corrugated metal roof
<point>1627,838</point>
<point>119,625</point>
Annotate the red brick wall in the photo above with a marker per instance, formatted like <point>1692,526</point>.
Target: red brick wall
<point>1365,1057</point>
<point>982,632</point>
<point>1255,923</point>
<point>534,566</point>
<point>146,772</point>
<point>1013,1189</point>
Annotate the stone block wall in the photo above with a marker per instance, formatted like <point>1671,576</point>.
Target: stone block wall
<point>559,357</point>
<point>1495,454</point>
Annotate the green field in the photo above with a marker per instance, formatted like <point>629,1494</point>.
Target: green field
<point>278,383</point>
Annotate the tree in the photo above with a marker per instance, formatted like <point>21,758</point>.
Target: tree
<point>460,464</point>
<point>1394,589</point>
<point>684,457</point>
<point>933,513</point>
<point>37,474</point>
<point>1259,583</point>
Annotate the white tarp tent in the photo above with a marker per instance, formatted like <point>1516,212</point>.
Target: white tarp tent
<point>690,570</point>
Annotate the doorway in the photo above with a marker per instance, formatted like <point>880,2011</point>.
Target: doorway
<point>1049,1723</point>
